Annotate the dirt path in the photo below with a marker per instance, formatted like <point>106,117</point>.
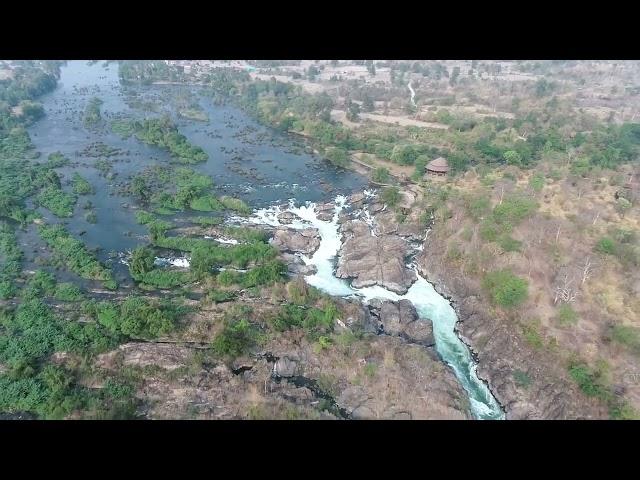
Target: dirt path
<point>340,116</point>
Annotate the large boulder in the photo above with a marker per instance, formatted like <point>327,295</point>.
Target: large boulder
<point>304,241</point>
<point>296,265</point>
<point>401,319</point>
<point>371,260</point>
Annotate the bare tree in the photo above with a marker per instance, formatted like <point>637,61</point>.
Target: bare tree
<point>587,270</point>
<point>565,290</point>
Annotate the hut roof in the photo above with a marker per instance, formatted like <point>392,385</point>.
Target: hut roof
<point>438,165</point>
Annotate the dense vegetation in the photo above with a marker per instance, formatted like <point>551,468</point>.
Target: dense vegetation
<point>74,255</point>
<point>80,185</point>
<point>164,134</point>
<point>92,117</point>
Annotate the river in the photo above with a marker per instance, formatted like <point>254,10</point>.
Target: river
<point>429,304</point>
<point>246,159</point>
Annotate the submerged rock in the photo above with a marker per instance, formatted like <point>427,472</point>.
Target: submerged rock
<point>325,211</point>
<point>287,218</point>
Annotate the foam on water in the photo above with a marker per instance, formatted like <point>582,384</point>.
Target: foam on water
<point>175,262</point>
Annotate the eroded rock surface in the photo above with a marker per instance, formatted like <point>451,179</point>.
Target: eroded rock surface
<point>371,260</point>
<point>401,319</point>
<point>304,241</point>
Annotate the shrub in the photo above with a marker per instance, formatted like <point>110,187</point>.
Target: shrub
<point>536,182</point>
<point>391,195</point>
<point>513,210</point>
<point>207,221</point>
<point>143,217</point>
<point>381,175</point>
<point>235,204</point>
<point>219,296</point>
<point>80,185</point>
<point>138,317</point>
<point>206,203</point>
<point>477,205</point>
<point>505,288</point>
<point>509,244</point>
<point>267,274</point>
<point>74,254</point>
<point>566,314</point>
<point>314,321</point>
<point>590,381</point>
<point>370,369</point>
<point>247,234</point>
<point>237,336</point>
<point>606,246</point>
<point>628,336</point>
<point>61,204</point>
<point>67,292</point>
<point>7,289</point>
<point>91,217</point>
<point>141,262</point>
<point>521,378</point>
<point>162,278</point>
<point>337,156</point>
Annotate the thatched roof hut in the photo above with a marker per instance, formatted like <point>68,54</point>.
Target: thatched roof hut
<point>438,166</point>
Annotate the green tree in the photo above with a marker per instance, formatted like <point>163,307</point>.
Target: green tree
<point>367,104</point>
<point>381,175</point>
<point>338,156</point>
<point>141,262</point>
<point>606,245</point>
<point>353,111</point>
<point>505,288</point>
<point>623,206</point>
<point>391,195</point>
<point>512,158</point>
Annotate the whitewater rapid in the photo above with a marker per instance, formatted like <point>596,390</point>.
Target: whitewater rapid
<point>429,304</point>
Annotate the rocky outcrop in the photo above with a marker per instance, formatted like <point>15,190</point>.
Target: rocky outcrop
<point>296,265</point>
<point>285,367</point>
<point>408,382</point>
<point>387,223</point>
<point>163,355</point>
<point>356,317</point>
<point>304,241</point>
<point>370,260</point>
<point>181,388</point>
<point>401,319</point>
